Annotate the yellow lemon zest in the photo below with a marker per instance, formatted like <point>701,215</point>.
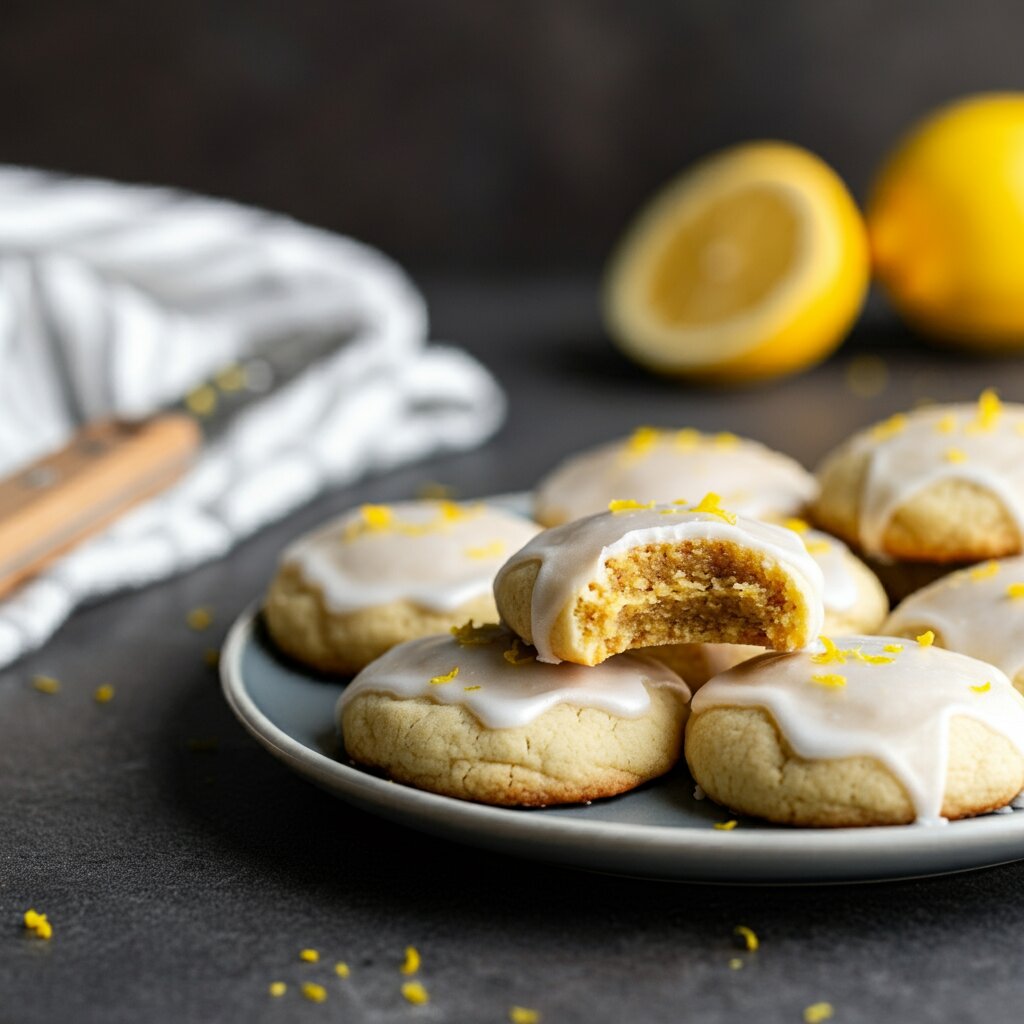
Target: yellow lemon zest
<point>311,956</point>
<point>468,635</point>
<point>687,438</point>
<point>471,689</point>
<point>889,428</point>
<point>492,550</point>
<point>947,424</point>
<point>983,688</point>
<point>817,547</point>
<point>627,505</point>
<point>818,1012</point>
<point>985,572</point>
<point>642,440</point>
<point>446,678</point>
<point>989,409</point>
<point>46,684</point>
<point>796,525</point>
<point>411,964</point>
<point>313,992</point>
<point>200,618</point>
<point>277,989</point>
<point>831,680</point>
<point>1015,590</point>
<point>341,969</point>
<point>518,654</point>
<point>414,992</point>
<point>452,511</point>
<point>893,648</point>
<point>748,936</point>
<point>926,639</point>
<point>871,659</point>
<point>522,1015</point>
<point>201,401</point>
<point>726,826</point>
<point>103,694</point>
<point>955,455</point>
<point>711,504</point>
<point>832,653</point>
<point>725,441</point>
<point>376,517</point>
<point>38,923</point>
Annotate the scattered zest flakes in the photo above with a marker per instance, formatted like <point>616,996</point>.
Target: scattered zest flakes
<point>818,1012</point>
<point>313,992</point>
<point>893,648</point>
<point>311,956</point>
<point>447,678</point>
<point>38,924</point>
<point>725,440</point>
<point>747,937</point>
<point>521,1015</point>
<point>103,694</point>
<point>831,680</point>
<point>627,505</point>
<point>376,517</point>
<point>985,572</point>
<point>411,964</point>
<point>955,455</point>
<point>1015,590</point>
<point>817,547</point>
<point>796,525</point>
<point>341,969</point>
<point>926,639</point>
<point>414,992</point>
<point>451,511</point>
<point>989,409</point>
<point>726,826</point>
<point>46,684</point>
<point>200,618</point>
<point>201,401</point>
<point>983,688</point>
<point>277,989</point>
<point>832,653</point>
<point>711,504</point>
<point>468,635</point>
<point>891,427</point>
<point>867,376</point>
<point>946,425</point>
<point>871,659</point>
<point>518,654</point>
<point>642,440</point>
<point>735,964</point>
<point>493,550</point>
<point>471,689</point>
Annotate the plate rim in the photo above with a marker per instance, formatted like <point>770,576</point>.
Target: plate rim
<point>832,845</point>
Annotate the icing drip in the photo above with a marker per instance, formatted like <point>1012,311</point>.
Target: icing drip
<point>664,465</point>
<point>893,705</point>
<point>982,443</point>
<point>507,693</point>
<point>574,555</point>
<point>435,554</point>
<point>973,611</point>
<point>833,557</point>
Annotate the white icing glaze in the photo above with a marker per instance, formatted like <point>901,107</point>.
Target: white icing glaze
<point>898,713</point>
<point>435,560</point>
<point>510,695</point>
<point>971,612</point>
<point>902,462</point>
<point>752,480</point>
<point>575,554</point>
<point>833,557</point>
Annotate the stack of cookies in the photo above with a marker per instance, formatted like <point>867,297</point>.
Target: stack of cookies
<point>516,666</point>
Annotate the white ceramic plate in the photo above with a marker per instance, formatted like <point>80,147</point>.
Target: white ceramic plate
<point>657,831</point>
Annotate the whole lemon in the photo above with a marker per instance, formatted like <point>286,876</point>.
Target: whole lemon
<point>752,264</point>
<point>946,223</point>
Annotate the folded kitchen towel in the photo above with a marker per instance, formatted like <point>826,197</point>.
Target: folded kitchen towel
<point>117,299</point>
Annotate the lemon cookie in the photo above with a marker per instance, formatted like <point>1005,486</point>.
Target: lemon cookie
<point>865,731</point>
<point>665,465</point>
<point>977,611</point>
<point>639,576</point>
<point>854,603</point>
<point>476,716</point>
<point>383,574</point>
<point>943,484</point>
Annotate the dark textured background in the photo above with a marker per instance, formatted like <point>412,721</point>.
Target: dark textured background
<point>476,134</point>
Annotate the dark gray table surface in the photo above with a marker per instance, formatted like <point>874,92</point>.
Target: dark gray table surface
<point>181,881</point>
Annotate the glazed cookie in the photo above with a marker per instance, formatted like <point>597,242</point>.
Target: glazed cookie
<point>867,731</point>
<point>666,465</point>
<point>639,576</point>
<point>943,484</point>
<point>476,716</point>
<point>383,574</point>
<point>854,603</point>
<point>977,611</point>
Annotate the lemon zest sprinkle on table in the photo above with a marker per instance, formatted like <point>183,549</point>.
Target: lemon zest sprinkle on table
<point>748,937</point>
<point>523,1015</point>
<point>711,504</point>
<point>627,505</point>
<point>411,964</point>
<point>311,956</point>
<point>982,688</point>
<point>818,1012</point>
<point>313,992</point>
<point>46,684</point>
<point>726,826</point>
<point>341,969</point>
<point>955,455</point>
<point>103,694</point>
<point>200,618</point>
<point>493,550</point>
<point>414,992</point>
<point>985,571</point>
<point>446,678</point>
<point>926,639</point>
<point>831,680</point>
<point>38,924</point>
<point>1015,590</point>
<point>277,989</point>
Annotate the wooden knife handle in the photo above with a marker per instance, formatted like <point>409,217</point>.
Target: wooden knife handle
<point>109,466</point>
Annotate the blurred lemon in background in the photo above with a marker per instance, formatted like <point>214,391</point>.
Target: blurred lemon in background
<point>946,223</point>
<point>750,265</point>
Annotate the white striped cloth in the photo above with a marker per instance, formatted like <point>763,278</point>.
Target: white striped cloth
<point>117,299</point>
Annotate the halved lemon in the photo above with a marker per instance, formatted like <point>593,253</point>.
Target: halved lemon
<point>750,265</point>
